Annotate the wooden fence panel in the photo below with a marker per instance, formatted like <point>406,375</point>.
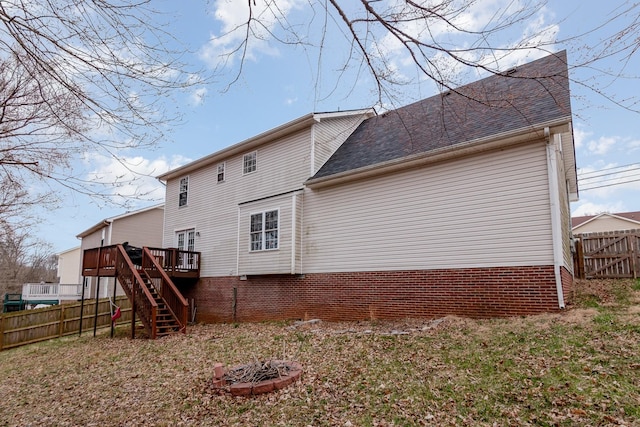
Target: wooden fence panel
<point>609,255</point>
<point>29,326</point>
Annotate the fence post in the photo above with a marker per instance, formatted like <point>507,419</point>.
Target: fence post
<point>580,259</point>
<point>1,331</point>
<point>61,328</point>
<point>635,253</point>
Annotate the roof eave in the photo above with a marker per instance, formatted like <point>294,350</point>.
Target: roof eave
<point>474,146</point>
<point>288,128</point>
<point>98,226</point>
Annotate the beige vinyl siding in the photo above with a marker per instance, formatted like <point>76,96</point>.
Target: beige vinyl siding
<point>329,134</point>
<point>282,166</point>
<point>481,211</point>
<point>565,210</point>
<point>69,271</point>
<point>94,239</point>
<point>274,261</point>
<point>142,229</point>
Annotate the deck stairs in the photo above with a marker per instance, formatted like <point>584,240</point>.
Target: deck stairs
<point>154,297</point>
<point>147,277</point>
<point>166,321</point>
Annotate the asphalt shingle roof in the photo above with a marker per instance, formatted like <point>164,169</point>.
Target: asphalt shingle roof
<point>534,93</point>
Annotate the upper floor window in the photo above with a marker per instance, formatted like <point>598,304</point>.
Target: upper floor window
<point>221,172</point>
<point>249,162</point>
<point>184,189</point>
<point>264,230</point>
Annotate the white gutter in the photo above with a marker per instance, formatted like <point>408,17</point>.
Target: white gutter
<point>238,244</point>
<point>293,233</point>
<point>556,221</point>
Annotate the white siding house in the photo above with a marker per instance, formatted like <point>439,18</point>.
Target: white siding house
<point>455,204</point>
<point>69,266</point>
<point>217,206</point>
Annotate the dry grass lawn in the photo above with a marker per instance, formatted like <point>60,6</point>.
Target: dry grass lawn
<point>581,367</point>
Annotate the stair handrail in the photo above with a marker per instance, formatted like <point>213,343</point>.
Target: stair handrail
<point>122,253</point>
<point>176,303</point>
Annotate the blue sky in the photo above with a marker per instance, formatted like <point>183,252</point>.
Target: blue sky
<point>280,83</point>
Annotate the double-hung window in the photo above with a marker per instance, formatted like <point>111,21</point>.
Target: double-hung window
<point>264,230</point>
<point>221,172</point>
<point>249,162</point>
<point>184,190</point>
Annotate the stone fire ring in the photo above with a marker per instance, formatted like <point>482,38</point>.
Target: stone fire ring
<point>260,387</point>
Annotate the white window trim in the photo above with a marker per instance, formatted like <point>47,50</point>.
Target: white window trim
<point>186,203</point>
<point>263,231</point>
<point>255,153</point>
<point>186,231</point>
<point>224,172</point>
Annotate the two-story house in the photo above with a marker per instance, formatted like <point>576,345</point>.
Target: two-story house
<point>456,204</point>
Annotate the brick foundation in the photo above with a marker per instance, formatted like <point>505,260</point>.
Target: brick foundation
<point>473,292</point>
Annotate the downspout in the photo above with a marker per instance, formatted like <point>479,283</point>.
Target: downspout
<point>293,232</point>
<point>238,244</point>
<point>556,221</point>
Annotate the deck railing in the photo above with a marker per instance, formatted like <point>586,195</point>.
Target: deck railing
<point>143,303</point>
<point>51,291</point>
<point>177,304</point>
<point>177,262</point>
<point>102,261</point>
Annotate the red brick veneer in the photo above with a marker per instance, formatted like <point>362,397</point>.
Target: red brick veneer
<point>471,292</point>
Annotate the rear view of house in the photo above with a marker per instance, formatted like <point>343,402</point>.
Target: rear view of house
<point>456,204</point>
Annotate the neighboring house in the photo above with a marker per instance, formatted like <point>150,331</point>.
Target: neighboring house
<point>139,228</point>
<point>68,288</point>
<point>606,222</point>
<point>456,204</point>
<point>69,266</point>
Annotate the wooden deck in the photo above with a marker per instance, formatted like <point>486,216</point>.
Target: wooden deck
<point>148,277</point>
<point>176,263</point>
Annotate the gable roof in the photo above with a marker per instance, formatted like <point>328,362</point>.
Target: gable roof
<point>530,97</point>
<point>633,217</point>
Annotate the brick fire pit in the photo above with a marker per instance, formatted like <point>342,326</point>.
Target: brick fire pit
<point>256,378</point>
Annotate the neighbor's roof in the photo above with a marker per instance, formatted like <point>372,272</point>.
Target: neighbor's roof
<point>580,220</point>
<point>527,97</point>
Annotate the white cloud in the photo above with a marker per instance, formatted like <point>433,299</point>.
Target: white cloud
<point>519,40</point>
<point>580,136</point>
<point>225,48</point>
<point>197,96</point>
<point>587,208</point>
<point>131,178</point>
<point>602,145</point>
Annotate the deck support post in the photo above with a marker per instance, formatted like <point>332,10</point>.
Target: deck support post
<point>84,282</point>
<point>95,316</point>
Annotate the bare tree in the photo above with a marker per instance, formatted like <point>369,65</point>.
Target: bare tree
<point>78,76</point>
<point>447,42</point>
<point>23,259</point>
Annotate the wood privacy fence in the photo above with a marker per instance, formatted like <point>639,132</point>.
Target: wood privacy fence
<point>30,326</point>
<point>607,255</point>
